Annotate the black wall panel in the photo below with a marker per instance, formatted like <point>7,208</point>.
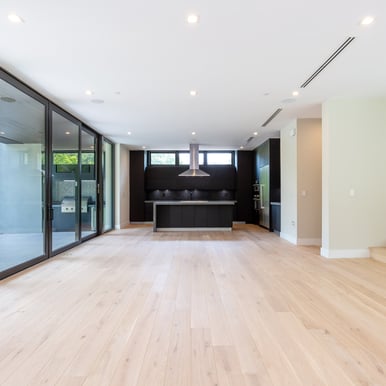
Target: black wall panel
<point>137,186</point>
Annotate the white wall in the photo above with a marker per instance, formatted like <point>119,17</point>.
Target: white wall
<point>309,181</point>
<point>122,170</point>
<point>354,176</point>
<point>301,180</point>
<point>288,172</point>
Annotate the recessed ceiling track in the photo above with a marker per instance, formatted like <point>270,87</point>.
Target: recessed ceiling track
<point>271,117</point>
<point>328,61</point>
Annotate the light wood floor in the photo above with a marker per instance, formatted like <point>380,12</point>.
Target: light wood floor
<point>240,308</point>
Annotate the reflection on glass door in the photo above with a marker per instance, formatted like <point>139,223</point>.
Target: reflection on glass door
<point>88,184</point>
<point>65,181</point>
<point>107,173</point>
<point>22,178</point>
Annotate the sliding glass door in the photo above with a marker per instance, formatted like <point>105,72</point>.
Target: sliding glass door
<point>56,178</point>
<point>22,179</point>
<point>65,182</point>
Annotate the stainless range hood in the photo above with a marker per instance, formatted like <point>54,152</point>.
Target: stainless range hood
<point>194,170</point>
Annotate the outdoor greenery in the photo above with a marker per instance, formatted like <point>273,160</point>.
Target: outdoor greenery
<point>72,158</point>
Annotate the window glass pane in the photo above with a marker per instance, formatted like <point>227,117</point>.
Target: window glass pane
<point>107,170</point>
<point>162,158</point>
<point>88,184</point>
<point>22,170</point>
<point>65,177</point>
<point>219,158</point>
<point>184,158</point>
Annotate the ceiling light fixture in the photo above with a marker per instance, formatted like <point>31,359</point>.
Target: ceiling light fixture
<point>143,147</point>
<point>129,133</point>
<point>88,92</point>
<point>255,133</point>
<point>13,18</point>
<point>367,20</point>
<point>193,92</point>
<point>295,93</point>
<point>241,147</point>
<point>2,132</point>
<point>7,99</point>
<point>193,133</point>
<point>192,18</point>
<point>67,133</point>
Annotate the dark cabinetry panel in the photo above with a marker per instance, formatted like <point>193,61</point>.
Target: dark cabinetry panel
<point>245,179</point>
<point>194,216</point>
<point>167,177</point>
<point>276,218</point>
<point>267,165</point>
<point>137,186</point>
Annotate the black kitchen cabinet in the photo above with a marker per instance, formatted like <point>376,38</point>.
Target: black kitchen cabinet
<point>267,157</point>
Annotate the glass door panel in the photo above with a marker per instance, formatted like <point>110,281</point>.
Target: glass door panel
<point>88,184</point>
<point>22,177</point>
<point>65,182</point>
<point>107,174</point>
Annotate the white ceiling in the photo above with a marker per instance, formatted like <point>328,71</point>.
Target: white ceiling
<point>237,53</point>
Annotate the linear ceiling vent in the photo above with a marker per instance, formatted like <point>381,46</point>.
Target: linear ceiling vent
<point>271,117</point>
<point>328,61</point>
<point>249,140</point>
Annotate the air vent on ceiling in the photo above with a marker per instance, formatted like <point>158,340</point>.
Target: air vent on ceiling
<point>249,140</point>
<point>328,61</point>
<point>271,117</point>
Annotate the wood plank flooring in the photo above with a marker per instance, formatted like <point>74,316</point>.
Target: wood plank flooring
<point>241,308</point>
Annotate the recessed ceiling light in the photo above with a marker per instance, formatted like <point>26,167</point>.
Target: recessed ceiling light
<point>97,101</point>
<point>2,132</point>
<point>255,133</point>
<point>67,133</point>
<point>129,133</point>
<point>7,99</point>
<point>193,92</point>
<point>192,18</point>
<point>143,147</point>
<point>367,20</point>
<point>193,133</point>
<point>241,147</point>
<point>12,17</point>
<point>88,92</point>
<point>295,93</point>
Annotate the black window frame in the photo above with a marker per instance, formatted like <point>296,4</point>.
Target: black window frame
<point>177,160</point>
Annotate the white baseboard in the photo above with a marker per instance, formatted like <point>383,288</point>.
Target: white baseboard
<point>122,226</point>
<point>296,241</point>
<point>344,253</point>
<point>289,238</point>
<point>316,242</point>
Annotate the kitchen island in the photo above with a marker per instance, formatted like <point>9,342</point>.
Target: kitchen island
<point>192,215</point>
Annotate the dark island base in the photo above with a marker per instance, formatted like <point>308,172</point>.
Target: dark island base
<point>193,217</point>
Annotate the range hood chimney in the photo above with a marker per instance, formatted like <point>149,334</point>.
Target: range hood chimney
<point>194,170</point>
